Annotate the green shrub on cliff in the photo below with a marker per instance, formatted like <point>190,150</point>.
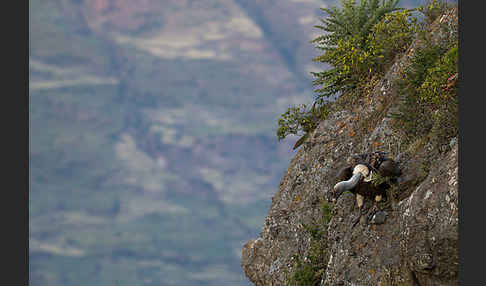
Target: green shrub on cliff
<point>360,42</point>
<point>300,119</point>
<point>390,37</point>
<point>345,44</point>
<point>428,89</point>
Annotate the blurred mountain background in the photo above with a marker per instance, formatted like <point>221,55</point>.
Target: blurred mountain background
<point>152,148</point>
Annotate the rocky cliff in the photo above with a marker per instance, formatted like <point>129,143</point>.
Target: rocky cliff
<point>413,240</point>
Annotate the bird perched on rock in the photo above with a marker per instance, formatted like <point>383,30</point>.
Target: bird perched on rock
<point>357,177</point>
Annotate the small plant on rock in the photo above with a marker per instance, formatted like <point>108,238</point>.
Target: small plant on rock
<point>433,9</point>
<point>300,120</point>
<point>308,270</point>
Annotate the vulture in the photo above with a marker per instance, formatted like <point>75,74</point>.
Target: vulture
<point>357,176</point>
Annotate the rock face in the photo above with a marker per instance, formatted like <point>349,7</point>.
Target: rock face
<point>413,241</point>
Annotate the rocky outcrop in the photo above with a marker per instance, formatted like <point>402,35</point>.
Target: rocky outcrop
<point>412,241</point>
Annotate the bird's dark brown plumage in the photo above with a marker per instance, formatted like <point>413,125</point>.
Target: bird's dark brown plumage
<point>384,166</point>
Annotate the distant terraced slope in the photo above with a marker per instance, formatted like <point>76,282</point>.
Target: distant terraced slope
<point>153,152</point>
